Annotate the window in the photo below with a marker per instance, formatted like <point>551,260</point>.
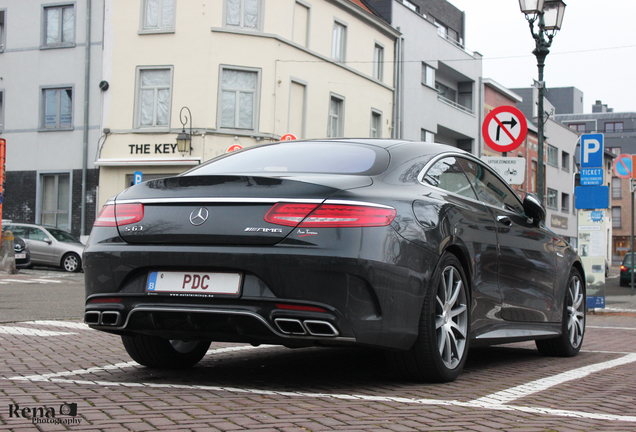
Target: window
<point>158,16</point>
<point>427,136</point>
<point>2,42</point>
<point>339,42</point>
<point>297,109</point>
<point>617,192</point>
<point>613,127</point>
<point>553,155</point>
<point>489,188</point>
<point>301,24</point>
<point>565,161</point>
<point>239,96</point>
<point>59,26</point>
<point>300,157</point>
<point>56,200</point>
<point>412,6</point>
<point>447,174</point>
<point>378,62</point>
<point>616,217</point>
<point>153,97</point>
<point>336,117</point>
<point>565,202</point>
<point>579,127</point>
<point>551,199</point>
<point>533,177</point>
<point>57,108</point>
<point>428,75</point>
<point>242,13</point>
<point>446,92</point>
<point>376,124</point>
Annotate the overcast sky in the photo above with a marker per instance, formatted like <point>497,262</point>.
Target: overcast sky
<point>595,51</point>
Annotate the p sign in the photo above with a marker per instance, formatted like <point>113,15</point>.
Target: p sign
<point>139,177</point>
<point>591,150</point>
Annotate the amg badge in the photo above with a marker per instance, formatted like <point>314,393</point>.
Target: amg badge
<point>264,230</point>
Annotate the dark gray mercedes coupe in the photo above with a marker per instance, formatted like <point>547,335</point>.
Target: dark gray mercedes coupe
<point>415,248</point>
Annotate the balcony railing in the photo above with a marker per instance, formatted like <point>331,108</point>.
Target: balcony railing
<point>454,104</point>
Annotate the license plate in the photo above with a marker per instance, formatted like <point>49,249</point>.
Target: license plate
<point>194,283</point>
<point>20,256</point>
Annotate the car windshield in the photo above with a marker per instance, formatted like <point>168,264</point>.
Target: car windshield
<point>300,157</point>
<point>62,236</point>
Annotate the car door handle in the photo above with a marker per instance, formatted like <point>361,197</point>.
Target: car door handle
<point>504,220</point>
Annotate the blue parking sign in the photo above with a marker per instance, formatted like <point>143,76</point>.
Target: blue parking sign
<point>591,150</point>
<point>138,177</point>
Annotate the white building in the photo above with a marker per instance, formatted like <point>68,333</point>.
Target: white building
<point>50,109</point>
<point>244,77</point>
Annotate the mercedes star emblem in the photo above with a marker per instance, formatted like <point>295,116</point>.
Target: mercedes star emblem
<point>199,216</point>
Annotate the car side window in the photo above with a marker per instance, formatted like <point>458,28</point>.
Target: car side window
<point>448,175</point>
<point>16,230</point>
<point>489,188</point>
<point>37,234</point>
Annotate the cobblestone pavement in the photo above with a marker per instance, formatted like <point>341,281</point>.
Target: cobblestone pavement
<point>49,365</point>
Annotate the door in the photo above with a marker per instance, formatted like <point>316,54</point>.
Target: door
<point>41,245</point>
<point>56,202</point>
<point>526,258</point>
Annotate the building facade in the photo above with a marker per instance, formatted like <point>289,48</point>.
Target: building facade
<point>244,78</point>
<point>50,68</point>
<point>438,78</point>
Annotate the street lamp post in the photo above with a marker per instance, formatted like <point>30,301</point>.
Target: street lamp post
<point>548,15</point>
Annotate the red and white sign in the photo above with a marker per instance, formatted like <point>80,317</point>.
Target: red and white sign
<point>233,147</point>
<point>623,166</point>
<point>504,128</point>
<point>288,137</point>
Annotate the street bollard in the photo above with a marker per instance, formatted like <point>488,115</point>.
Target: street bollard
<point>7,253</point>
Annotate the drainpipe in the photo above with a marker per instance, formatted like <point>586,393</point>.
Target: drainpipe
<point>397,89</point>
<point>87,75</point>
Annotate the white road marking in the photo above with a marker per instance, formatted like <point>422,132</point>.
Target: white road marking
<point>22,331</point>
<point>65,324</point>
<point>611,328</point>
<point>29,281</point>
<point>403,400</point>
<point>496,401</point>
<point>506,396</point>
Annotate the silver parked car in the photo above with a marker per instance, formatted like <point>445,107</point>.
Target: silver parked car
<point>49,245</point>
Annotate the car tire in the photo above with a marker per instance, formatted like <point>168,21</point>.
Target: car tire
<point>156,352</point>
<point>71,262</point>
<point>622,283</point>
<point>440,350</point>
<point>573,323</point>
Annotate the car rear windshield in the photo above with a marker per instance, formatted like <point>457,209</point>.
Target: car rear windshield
<point>627,260</point>
<point>300,157</point>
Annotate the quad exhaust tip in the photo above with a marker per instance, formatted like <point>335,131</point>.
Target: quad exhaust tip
<point>107,318</point>
<point>295,327</point>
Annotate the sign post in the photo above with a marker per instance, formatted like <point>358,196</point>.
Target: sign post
<point>592,201</point>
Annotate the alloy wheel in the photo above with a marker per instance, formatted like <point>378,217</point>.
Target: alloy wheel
<point>451,317</point>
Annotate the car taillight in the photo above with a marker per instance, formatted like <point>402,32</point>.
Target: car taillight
<point>623,268</point>
<point>119,214</point>
<point>329,215</point>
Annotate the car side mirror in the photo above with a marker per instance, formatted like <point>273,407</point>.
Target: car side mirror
<point>48,240</point>
<point>533,208</point>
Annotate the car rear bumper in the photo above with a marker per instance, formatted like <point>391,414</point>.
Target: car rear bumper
<point>365,299</point>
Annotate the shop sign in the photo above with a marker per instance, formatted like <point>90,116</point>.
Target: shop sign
<point>559,222</point>
<point>146,149</point>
